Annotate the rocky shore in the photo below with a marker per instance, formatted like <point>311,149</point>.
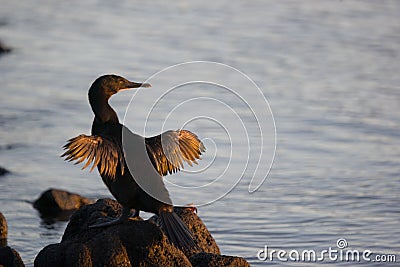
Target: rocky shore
<point>134,243</point>
<point>137,242</point>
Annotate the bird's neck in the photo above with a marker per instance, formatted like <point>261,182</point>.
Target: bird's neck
<point>101,108</point>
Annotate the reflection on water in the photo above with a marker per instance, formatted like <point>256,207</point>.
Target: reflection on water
<point>329,70</point>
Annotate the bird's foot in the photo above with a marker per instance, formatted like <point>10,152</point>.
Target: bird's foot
<point>193,209</point>
<point>107,221</point>
<point>189,206</point>
<point>135,219</point>
<point>135,216</point>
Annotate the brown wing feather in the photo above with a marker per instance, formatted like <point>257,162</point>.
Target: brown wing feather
<point>169,150</point>
<point>96,150</point>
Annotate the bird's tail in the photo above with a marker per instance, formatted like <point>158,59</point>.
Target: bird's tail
<point>176,231</point>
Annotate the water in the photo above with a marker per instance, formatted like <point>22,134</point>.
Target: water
<point>329,70</point>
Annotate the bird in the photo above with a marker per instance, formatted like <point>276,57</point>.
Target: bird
<point>132,166</point>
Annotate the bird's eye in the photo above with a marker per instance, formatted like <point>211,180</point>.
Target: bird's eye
<point>121,82</point>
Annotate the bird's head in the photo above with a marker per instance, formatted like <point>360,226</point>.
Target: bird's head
<point>110,84</point>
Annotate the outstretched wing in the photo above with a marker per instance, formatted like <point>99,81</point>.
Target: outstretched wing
<point>169,150</point>
<point>97,150</point>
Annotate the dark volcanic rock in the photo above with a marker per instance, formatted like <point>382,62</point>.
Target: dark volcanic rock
<point>3,226</point>
<point>200,232</point>
<point>3,171</point>
<point>4,48</point>
<point>54,201</point>
<point>133,243</point>
<point>10,258</point>
<point>3,231</point>
<point>214,260</point>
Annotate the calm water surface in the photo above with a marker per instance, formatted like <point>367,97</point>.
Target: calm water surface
<point>330,70</point>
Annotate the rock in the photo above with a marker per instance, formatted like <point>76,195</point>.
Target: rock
<point>200,232</point>
<point>136,242</point>
<point>54,201</point>
<point>4,48</point>
<point>10,258</point>
<point>214,260</point>
<point>3,231</point>
<point>3,171</point>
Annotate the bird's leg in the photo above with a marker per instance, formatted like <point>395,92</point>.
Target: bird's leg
<point>107,221</point>
<point>190,206</point>
<point>136,214</point>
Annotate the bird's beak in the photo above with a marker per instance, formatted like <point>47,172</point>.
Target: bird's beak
<point>137,85</point>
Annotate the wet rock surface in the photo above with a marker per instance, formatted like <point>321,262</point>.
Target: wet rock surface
<point>3,171</point>
<point>9,257</point>
<point>3,226</point>
<point>4,48</point>
<point>55,201</point>
<point>133,243</point>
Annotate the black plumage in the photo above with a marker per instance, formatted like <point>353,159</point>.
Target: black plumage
<point>135,181</point>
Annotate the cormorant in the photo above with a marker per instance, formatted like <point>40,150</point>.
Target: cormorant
<point>135,180</point>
